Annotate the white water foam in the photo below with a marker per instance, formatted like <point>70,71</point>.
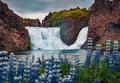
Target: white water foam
<point>49,39</point>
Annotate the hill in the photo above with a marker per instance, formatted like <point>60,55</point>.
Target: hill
<point>54,19</point>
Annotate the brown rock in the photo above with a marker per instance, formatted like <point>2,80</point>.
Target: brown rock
<point>71,28</point>
<point>13,34</point>
<point>104,22</point>
<point>45,22</point>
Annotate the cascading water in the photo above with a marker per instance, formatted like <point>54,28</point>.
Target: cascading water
<point>49,39</point>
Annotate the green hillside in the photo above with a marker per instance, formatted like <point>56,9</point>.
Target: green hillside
<point>56,17</point>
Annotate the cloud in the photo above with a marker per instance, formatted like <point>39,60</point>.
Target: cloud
<point>26,5</point>
<point>36,15</point>
<point>33,7</point>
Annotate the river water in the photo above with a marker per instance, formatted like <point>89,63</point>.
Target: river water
<point>47,42</point>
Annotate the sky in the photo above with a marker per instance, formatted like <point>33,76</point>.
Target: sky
<point>41,8</point>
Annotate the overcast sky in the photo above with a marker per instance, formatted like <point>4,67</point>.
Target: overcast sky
<point>40,8</point>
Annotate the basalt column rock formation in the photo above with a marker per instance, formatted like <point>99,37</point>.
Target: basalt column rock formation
<point>104,22</point>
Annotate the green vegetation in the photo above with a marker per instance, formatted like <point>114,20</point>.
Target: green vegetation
<point>77,13</point>
<point>29,22</point>
<point>41,71</point>
<point>89,75</point>
<point>29,43</point>
<point>65,68</point>
<point>103,46</point>
<point>26,21</point>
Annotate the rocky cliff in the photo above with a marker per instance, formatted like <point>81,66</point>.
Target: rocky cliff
<point>104,22</point>
<point>31,22</point>
<point>13,34</point>
<point>70,29</point>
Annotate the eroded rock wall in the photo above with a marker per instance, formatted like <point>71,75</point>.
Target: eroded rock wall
<point>104,22</point>
<point>13,34</point>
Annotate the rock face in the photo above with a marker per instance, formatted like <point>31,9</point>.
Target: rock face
<point>45,22</point>
<point>13,34</point>
<point>32,22</point>
<point>104,22</point>
<point>71,28</point>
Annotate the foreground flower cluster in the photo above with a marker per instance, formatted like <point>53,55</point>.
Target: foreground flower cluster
<point>95,69</point>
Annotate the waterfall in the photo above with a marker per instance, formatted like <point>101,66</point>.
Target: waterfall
<point>49,39</point>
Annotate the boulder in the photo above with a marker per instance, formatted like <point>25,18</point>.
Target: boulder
<point>70,29</point>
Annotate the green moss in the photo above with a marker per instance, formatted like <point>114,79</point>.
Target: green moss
<point>29,44</point>
<point>77,14</point>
